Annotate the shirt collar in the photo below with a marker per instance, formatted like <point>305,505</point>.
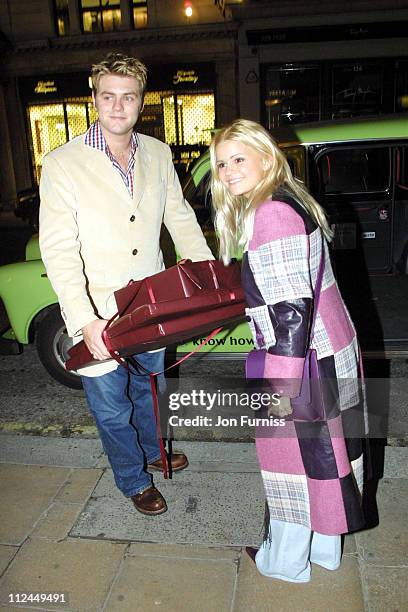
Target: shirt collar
<point>94,138</point>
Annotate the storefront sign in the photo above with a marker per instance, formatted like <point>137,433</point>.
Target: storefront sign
<point>44,87</point>
<point>281,93</point>
<point>54,87</point>
<point>179,77</point>
<point>353,31</point>
<point>176,77</point>
<point>185,76</point>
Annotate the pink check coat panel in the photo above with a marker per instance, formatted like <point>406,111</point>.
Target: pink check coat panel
<point>312,474</point>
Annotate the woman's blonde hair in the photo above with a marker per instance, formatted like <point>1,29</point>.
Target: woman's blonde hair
<point>234,214</point>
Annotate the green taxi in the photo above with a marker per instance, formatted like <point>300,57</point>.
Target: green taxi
<point>357,169</point>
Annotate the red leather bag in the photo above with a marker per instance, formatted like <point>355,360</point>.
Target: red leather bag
<point>177,304</point>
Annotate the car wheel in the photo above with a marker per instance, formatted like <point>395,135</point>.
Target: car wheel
<point>53,344</point>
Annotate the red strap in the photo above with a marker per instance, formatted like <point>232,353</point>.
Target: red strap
<point>158,428</point>
<point>203,343</point>
<point>152,375</point>
<point>150,290</point>
<point>156,402</point>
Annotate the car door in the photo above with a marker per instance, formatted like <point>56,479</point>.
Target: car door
<point>400,238</point>
<point>354,186</point>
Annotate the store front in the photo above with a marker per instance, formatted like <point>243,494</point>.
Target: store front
<point>179,110</point>
<point>315,91</point>
<point>313,72</point>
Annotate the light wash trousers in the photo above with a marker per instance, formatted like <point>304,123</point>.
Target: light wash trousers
<point>293,548</point>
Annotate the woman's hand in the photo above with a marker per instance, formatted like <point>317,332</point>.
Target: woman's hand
<point>282,409</point>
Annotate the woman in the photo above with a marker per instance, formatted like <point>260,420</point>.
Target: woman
<point>312,475</point>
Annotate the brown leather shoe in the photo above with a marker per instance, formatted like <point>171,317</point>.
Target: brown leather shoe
<point>150,501</point>
<point>178,462</point>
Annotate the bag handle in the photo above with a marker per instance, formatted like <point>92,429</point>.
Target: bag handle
<point>317,291</point>
<point>194,279</point>
<point>189,275</point>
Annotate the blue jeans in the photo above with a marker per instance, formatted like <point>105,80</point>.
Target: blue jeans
<point>123,410</point>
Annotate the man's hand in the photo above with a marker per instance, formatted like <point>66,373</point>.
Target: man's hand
<point>282,409</point>
<point>93,339</point>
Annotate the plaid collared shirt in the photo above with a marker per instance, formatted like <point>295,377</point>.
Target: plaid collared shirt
<point>94,138</point>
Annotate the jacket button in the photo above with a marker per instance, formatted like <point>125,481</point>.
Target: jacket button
<point>132,218</point>
<point>134,252</point>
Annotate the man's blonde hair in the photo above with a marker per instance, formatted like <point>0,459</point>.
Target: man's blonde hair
<point>234,214</point>
<point>118,63</point>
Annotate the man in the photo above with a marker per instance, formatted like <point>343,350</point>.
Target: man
<point>104,196</point>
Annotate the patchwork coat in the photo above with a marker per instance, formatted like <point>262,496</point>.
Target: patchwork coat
<point>312,473</point>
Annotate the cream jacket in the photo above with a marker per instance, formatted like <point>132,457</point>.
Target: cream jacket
<point>94,237</point>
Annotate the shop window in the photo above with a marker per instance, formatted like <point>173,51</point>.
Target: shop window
<point>52,125</point>
<point>76,116</point>
<point>184,121</point>
<point>188,118</point>
<point>292,94</point>
<point>139,13</point>
<point>47,124</point>
<point>196,118</point>
<point>92,112</point>
<point>61,14</point>
<point>355,171</point>
<point>188,121</point>
<point>100,15</point>
<point>357,89</point>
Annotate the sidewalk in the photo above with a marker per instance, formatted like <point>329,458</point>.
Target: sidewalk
<point>65,528</point>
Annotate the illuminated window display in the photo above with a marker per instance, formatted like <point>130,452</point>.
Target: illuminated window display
<point>183,121</point>
<point>52,125</point>
<point>179,110</point>
<point>61,13</point>
<point>139,13</point>
<point>100,15</point>
<point>294,93</point>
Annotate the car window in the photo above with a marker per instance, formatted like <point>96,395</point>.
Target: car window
<point>354,170</point>
<point>402,168</point>
<point>296,161</point>
<point>200,200</point>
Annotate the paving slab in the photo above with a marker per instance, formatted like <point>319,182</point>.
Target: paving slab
<point>387,544</point>
<point>183,551</point>
<point>240,452</point>
<point>207,454</point>
<point>338,591</point>
<point>57,522</point>
<point>83,570</point>
<point>27,491</point>
<point>223,466</point>
<point>182,585</point>
<point>37,450</point>
<point>385,588</point>
<point>80,484</point>
<point>216,508</point>
<point>396,462</point>
<point>6,555</point>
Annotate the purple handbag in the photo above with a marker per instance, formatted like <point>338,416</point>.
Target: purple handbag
<point>309,404</point>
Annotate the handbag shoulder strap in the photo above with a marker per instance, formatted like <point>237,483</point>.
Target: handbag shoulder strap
<point>317,291</point>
